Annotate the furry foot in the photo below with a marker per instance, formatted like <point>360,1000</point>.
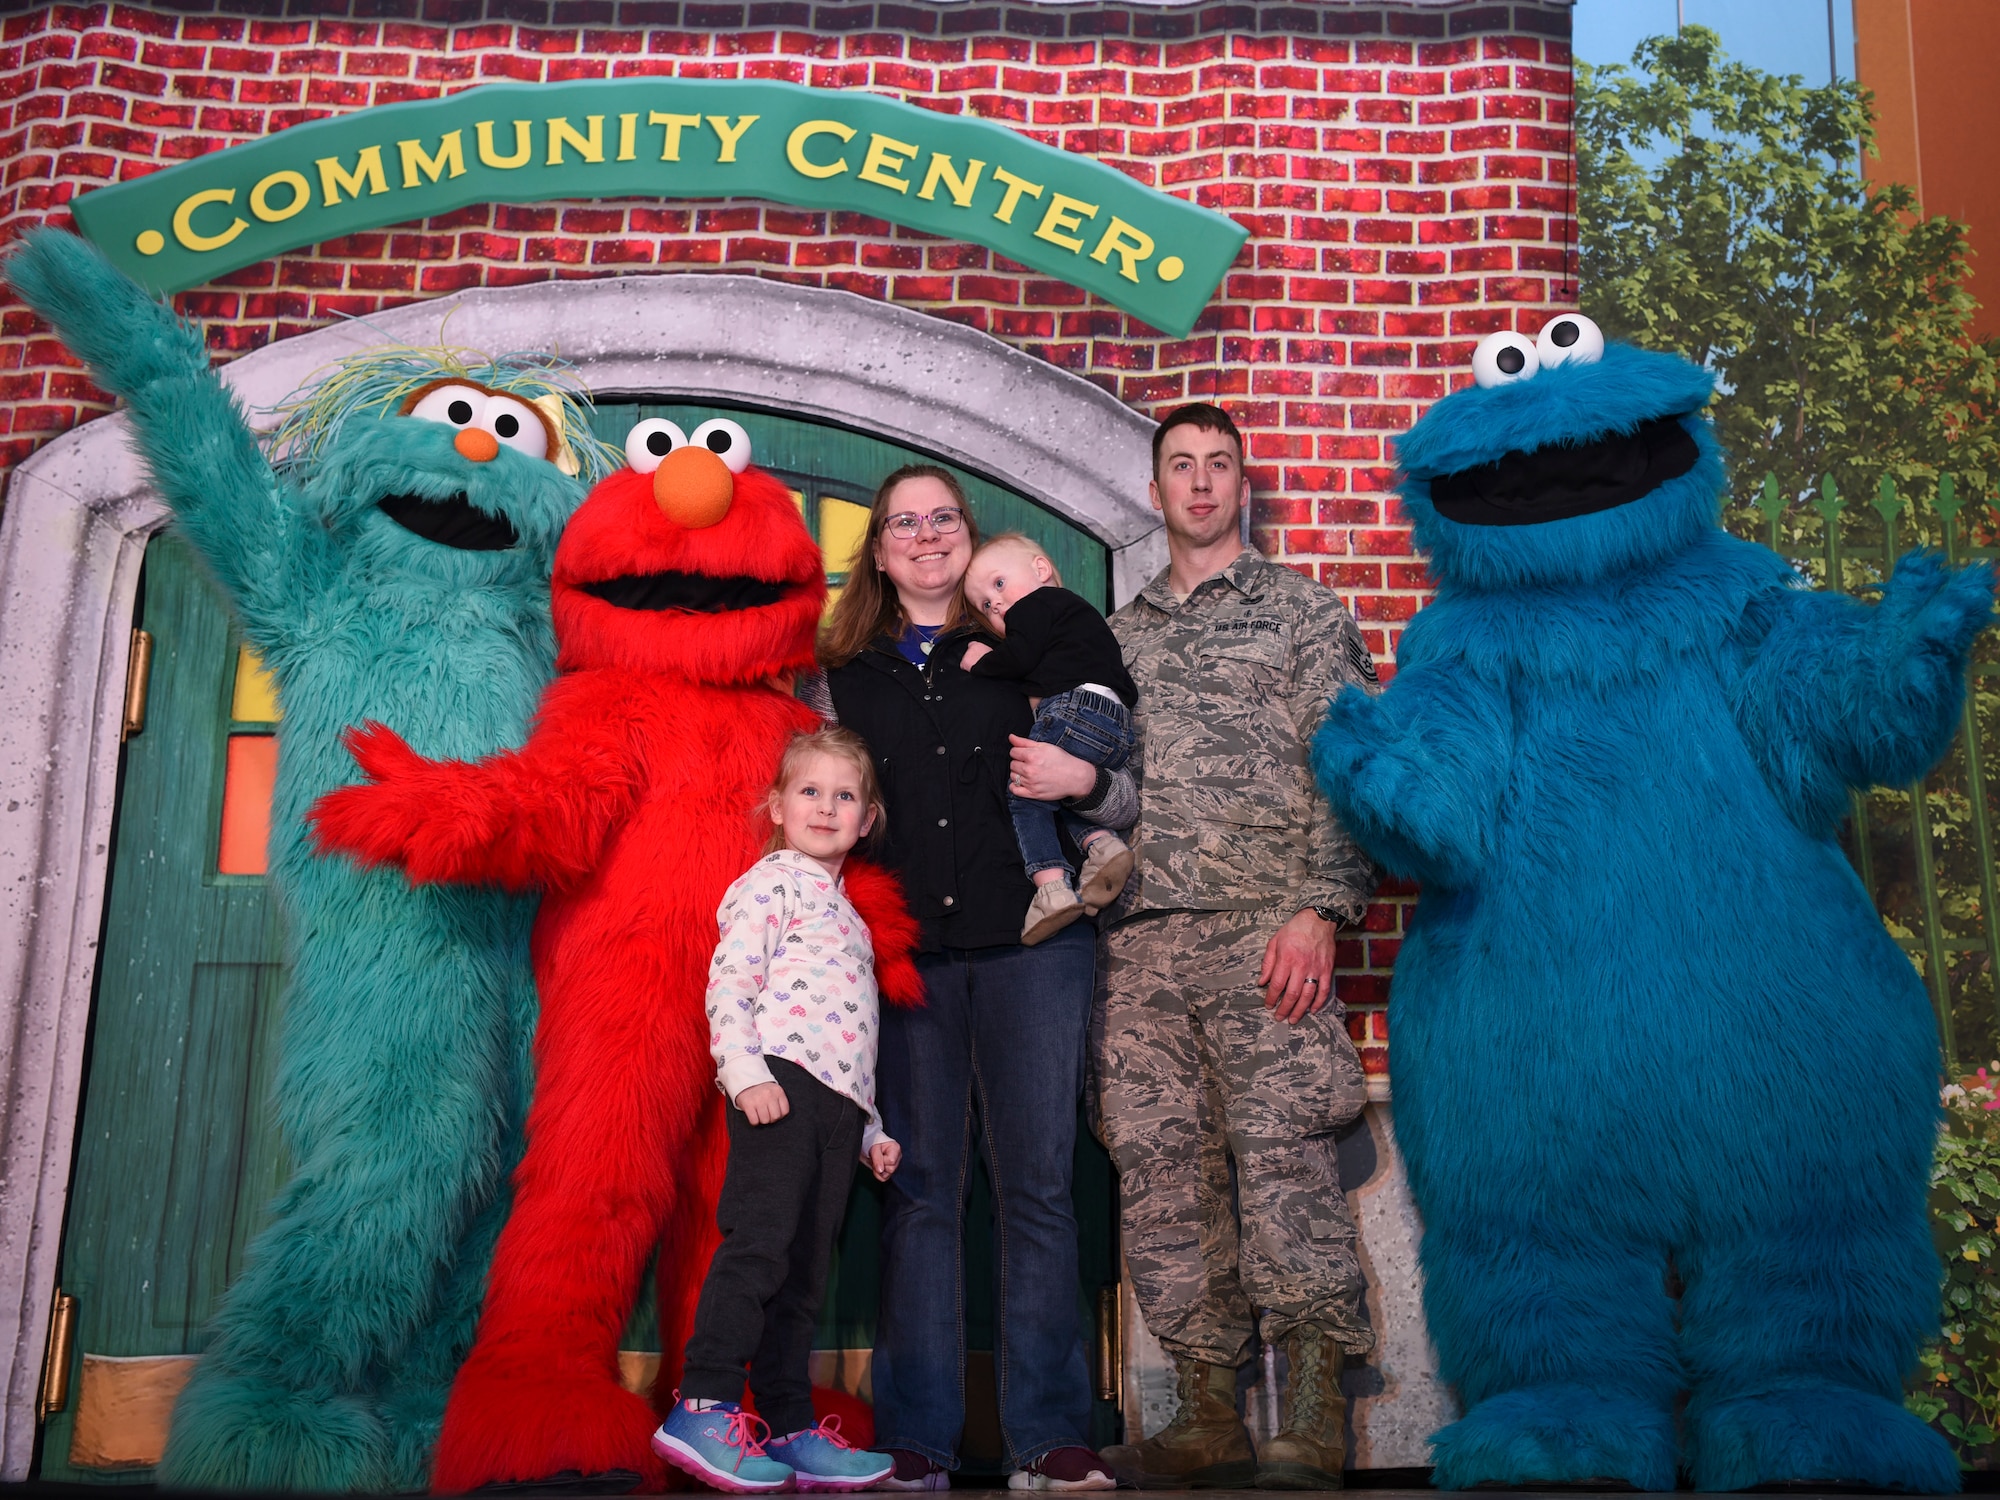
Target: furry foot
<point>239,1432</point>
<point>1816,1433</point>
<point>515,1425</point>
<point>1556,1435</point>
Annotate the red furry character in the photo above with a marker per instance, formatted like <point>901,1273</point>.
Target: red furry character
<point>680,594</point>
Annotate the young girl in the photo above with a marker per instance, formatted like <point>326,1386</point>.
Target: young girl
<point>792,1026</point>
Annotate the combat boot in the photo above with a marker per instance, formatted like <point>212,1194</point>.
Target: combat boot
<point>1205,1447</point>
<point>1310,1450</point>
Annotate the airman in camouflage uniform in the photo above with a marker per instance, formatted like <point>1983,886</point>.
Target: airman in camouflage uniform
<point>1195,1069</point>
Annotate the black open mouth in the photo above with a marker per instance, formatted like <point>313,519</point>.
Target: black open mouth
<point>697,592</point>
<point>450,523</point>
<point>1557,482</point>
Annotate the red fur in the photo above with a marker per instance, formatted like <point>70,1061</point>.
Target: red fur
<point>632,806</point>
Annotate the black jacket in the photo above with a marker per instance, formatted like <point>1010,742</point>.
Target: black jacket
<point>939,737</point>
<point>1055,642</point>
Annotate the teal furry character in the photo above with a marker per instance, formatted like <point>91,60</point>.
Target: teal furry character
<point>390,562</point>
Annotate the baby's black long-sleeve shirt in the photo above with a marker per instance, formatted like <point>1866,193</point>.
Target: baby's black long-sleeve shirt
<point>1055,642</point>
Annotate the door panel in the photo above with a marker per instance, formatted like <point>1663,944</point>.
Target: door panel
<point>177,1155</point>
<point>834,473</point>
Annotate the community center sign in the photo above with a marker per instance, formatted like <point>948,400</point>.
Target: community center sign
<point>1156,256</point>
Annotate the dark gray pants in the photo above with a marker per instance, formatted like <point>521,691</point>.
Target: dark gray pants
<point>782,1202</point>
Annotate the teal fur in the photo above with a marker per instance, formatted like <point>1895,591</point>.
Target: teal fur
<point>405,1062</point>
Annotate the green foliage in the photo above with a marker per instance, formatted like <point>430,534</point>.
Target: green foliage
<point>1959,1384</point>
<point>1721,216</point>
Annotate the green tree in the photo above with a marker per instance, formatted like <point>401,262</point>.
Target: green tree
<point>1721,216</point>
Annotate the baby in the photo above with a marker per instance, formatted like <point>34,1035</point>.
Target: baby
<point>1060,650</point>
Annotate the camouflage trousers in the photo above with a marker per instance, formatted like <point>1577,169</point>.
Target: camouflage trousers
<point>1192,1073</point>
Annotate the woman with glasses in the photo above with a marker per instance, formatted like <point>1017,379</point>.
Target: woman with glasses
<point>995,1058</point>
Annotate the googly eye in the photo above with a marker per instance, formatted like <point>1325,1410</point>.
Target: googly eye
<point>726,441</point>
<point>1503,358</point>
<point>517,425</point>
<point>1571,339</point>
<point>651,441</point>
<point>454,405</point>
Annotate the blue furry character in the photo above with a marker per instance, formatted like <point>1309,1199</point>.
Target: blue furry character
<point>393,566</point>
<point>1648,1025</point>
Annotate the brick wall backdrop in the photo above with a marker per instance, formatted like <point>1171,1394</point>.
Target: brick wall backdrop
<point>1404,171</point>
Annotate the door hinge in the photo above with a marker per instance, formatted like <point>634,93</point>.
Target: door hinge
<point>1111,1343</point>
<point>138,674</point>
<point>54,1395</point>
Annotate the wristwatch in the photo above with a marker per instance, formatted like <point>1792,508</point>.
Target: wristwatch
<point>1324,913</point>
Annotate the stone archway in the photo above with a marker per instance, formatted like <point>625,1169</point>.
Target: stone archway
<point>80,511</point>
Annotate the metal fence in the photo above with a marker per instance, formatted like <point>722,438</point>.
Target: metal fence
<point>1925,852</point>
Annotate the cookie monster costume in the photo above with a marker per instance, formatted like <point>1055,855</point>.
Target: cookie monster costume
<point>392,566</point>
<point>1616,731</point>
<point>685,589</point>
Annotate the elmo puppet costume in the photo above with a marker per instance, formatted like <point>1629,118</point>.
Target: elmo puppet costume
<point>684,587</point>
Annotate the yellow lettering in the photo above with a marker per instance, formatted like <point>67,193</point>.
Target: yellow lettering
<point>675,125</point>
<point>730,134</point>
<point>561,133</point>
<point>1015,187</point>
<point>886,158</point>
<point>260,196</point>
<point>960,188</point>
<point>450,157</point>
<point>488,156</point>
<point>1064,213</point>
<point>628,137</point>
<point>1130,246</point>
<point>184,229</point>
<point>333,177</point>
<point>795,147</point>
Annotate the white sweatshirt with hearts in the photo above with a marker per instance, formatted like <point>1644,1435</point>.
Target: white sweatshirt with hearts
<point>794,977</point>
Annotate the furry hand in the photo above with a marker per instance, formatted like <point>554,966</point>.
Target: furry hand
<point>126,337</point>
<point>405,814</point>
<point>883,1159</point>
<point>1930,608</point>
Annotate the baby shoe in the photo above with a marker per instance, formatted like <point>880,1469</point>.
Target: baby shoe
<point>1107,865</point>
<point>1055,906</point>
<point>1071,1468</point>
<point>720,1447</point>
<point>821,1459</point>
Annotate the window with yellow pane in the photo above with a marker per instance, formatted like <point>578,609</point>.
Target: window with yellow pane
<point>250,769</point>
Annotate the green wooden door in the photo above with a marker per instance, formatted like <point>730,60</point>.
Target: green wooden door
<point>177,1157</point>
<point>835,472</point>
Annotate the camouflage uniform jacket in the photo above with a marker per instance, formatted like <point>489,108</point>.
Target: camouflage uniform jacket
<point>1233,681</point>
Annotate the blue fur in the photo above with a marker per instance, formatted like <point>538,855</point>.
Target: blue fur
<point>1646,1017</point>
<point>405,1066</point>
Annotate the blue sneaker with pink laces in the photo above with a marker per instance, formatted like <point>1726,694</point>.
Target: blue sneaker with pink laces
<point>822,1460</point>
<point>720,1446</point>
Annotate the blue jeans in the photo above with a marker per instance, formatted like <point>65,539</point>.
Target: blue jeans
<point>1004,1029</point>
<point>1091,727</point>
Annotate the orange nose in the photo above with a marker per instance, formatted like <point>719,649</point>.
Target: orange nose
<point>693,487</point>
<point>477,444</point>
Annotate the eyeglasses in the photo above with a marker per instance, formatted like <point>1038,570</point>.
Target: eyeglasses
<point>908,523</point>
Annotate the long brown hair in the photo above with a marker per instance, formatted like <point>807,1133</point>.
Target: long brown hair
<point>868,606</point>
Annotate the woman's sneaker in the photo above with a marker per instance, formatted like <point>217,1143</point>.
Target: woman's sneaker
<point>720,1447</point>
<point>821,1459</point>
<point>1055,906</point>
<point>915,1472</point>
<point>1073,1468</point>
<point>1107,865</point>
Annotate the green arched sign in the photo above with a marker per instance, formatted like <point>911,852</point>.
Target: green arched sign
<point>1157,256</point>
